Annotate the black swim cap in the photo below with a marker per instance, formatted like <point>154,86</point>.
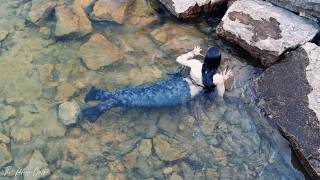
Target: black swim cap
<point>213,58</point>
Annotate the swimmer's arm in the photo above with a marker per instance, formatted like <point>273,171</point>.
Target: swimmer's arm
<point>186,59</point>
<point>219,80</point>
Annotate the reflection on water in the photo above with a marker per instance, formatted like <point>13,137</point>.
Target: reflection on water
<point>208,138</point>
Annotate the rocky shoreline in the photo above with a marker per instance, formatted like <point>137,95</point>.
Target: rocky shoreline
<point>288,90</point>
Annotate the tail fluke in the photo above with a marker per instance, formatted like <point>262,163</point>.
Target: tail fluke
<point>96,95</point>
<point>93,113</point>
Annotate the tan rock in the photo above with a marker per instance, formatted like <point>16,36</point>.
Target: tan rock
<point>21,135</point>
<point>178,39</point>
<point>84,3</point>
<point>5,156</point>
<point>116,167</point>
<point>167,170</point>
<point>7,112</point>
<point>40,10</point>
<point>65,91</point>
<point>115,176</point>
<point>38,165</point>
<point>72,20</point>
<point>175,176</point>
<point>168,149</point>
<point>4,139</point>
<point>110,10</point>
<point>145,147</point>
<point>99,52</point>
<point>131,159</point>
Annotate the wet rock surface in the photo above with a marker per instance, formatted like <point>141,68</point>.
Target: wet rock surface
<point>307,8</point>
<point>288,90</point>
<point>111,10</point>
<point>72,20</point>
<point>264,30</point>
<point>69,113</point>
<point>38,166</point>
<point>187,9</point>
<point>99,52</point>
<point>5,156</point>
<point>40,10</point>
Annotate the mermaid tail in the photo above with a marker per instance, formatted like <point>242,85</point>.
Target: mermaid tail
<point>97,95</point>
<point>171,92</point>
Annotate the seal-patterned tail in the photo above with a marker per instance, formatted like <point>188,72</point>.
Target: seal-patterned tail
<point>93,113</point>
<point>97,95</point>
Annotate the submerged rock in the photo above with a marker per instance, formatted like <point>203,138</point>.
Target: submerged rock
<point>285,89</point>
<point>168,149</point>
<point>6,113</point>
<point>191,8</point>
<point>141,15</point>
<point>99,52</point>
<point>40,10</point>
<point>21,135</point>
<point>69,113</point>
<point>308,8</point>
<point>4,139</point>
<point>265,31</point>
<point>65,91</point>
<point>178,39</point>
<point>72,20</point>
<point>5,156</point>
<point>38,166</point>
<point>110,10</point>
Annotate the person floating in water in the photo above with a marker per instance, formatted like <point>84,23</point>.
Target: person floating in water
<point>171,92</point>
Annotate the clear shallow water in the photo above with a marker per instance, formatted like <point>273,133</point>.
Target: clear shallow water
<point>208,138</point>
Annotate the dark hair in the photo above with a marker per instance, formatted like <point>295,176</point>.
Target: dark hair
<point>210,66</point>
<point>213,58</point>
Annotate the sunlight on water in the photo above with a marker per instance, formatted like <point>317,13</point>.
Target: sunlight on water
<point>208,138</point>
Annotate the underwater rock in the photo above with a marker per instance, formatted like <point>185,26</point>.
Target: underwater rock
<point>178,39</point>
<point>5,156</point>
<point>65,91</point>
<point>69,113</point>
<point>116,166</point>
<point>307,8</point>
<point>264,30</point>
<point>38,165</point>
<point>99,52</point>
<point>131,159</point>
<point>168,125</point>
<point>7,112</point>
<point>40,10</point>
<point>110,10</point>
<point>145,147</point>
<point>168,149</point>
<point>187,9</point>
<point>21,135</point>
<point>72,20</point>
<point>289,96</point>
<point>4,139</point>
<point>85,4</point>
<point>175,176</point>
<point>115,176</point>
<point>141,16</point>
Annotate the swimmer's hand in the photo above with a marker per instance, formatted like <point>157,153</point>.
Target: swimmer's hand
<point>197,51</point>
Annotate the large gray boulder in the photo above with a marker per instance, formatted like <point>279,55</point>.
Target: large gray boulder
<point>264,30</point>
<point>308,8</point>
<point>187,9</point>
<point>289,95</point>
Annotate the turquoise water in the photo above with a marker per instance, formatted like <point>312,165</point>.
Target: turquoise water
<point>209,138</point>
